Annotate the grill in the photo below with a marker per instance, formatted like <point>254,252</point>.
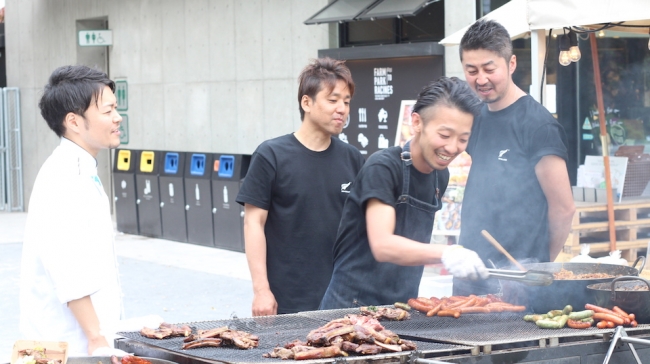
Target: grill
<point>273,331</point>
<point>470,329</point>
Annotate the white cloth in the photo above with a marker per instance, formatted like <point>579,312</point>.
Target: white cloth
<point>68,250</point>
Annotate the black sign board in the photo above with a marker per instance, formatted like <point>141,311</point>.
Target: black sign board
<point>381,85</point>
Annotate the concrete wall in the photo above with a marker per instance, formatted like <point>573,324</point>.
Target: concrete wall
<point>461,14</point>
<point>204,75</point>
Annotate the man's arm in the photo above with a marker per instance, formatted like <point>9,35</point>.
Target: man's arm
<point>388,247</point>
<point>553,177</point>
<point>264,302</point>
<point>85,314</point>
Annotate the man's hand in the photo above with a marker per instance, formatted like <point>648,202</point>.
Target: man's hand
<point>463,263</point>
<point>264,304</point>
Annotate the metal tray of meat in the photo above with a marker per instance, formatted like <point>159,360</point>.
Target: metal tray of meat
<point>273,331</point>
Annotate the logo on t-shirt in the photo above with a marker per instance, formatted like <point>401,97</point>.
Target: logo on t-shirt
<point>345,187</point>
<point>502,153</point>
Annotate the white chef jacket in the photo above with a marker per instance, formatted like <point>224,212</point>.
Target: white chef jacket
<point>68,250</point>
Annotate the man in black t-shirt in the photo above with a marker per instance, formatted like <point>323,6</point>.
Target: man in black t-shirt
<point>518,187</point>
<point>383,239</point>
<point>293,195</point>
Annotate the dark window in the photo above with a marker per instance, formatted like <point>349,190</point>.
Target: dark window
<point>428,25</point>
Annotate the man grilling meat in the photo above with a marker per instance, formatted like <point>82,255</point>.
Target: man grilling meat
<point>383,238</point>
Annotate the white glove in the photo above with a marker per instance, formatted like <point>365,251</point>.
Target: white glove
<point>463,263</point>
<point>106,351</point>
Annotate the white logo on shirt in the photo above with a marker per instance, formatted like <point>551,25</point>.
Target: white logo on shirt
<point>501,153</point>
<point>345,187</point>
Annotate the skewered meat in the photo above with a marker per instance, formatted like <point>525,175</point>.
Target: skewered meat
<point>240,339</point>
<point>368,349</point>
<point>176,330</point>
<point>202,343</point>
<point>356,334</point>
<point>319,353</point>
<point>221,336</point>
<point>166,330</point>
<point>394,314</point>
<point>160,333</point>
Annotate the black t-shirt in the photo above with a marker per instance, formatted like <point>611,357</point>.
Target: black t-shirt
<point>503,194</point>
<point>303,192</point>
<point>380,178</point>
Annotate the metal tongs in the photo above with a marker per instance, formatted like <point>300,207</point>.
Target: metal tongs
<point>529,277</point>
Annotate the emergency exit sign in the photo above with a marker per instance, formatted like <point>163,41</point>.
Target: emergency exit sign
<point>95,38</point>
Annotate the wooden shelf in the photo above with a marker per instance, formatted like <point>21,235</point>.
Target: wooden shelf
<point>590,225</point>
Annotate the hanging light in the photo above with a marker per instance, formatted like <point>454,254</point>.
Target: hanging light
<point>601,33</point>
<point>648,38</point>
<point>564,58</point>
<point>574,50</point>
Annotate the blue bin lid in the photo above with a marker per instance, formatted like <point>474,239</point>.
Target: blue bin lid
<point>226,166</point>
<point>171,163</point>
<point>197,166</point>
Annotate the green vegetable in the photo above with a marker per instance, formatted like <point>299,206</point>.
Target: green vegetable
<point>372,308</point>
<point>548,324</point>
<point>563,319</point>
<point>579,315</point>
<point>554,313</point>
<point>588,319</point>
<point>567,310</point>
<point>403,306</point>
<point>535,317</point>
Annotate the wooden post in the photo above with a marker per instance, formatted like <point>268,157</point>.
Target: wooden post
<point>604,141</point>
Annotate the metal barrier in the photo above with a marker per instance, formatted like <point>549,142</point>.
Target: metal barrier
<point>11,168</point>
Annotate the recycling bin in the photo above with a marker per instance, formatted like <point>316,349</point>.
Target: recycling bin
<point>198,199</point>
<point>126,212</point>
<point>228,216</point>
<point>172,196</point>
<point>148,194</point>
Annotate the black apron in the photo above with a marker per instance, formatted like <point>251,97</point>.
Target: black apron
<point>370,282</point>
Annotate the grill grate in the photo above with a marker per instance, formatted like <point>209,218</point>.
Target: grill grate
<point>469,329</point>
<point>273,331</point>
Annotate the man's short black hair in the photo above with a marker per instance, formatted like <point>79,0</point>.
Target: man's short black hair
<point>488,35</point>
<point>71,89</point>
<point>448,91</point>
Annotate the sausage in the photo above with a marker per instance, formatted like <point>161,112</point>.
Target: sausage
<point>620,311</point>
<point>403,306</point>
<point>601,325</point>
<point>578,324</point>
<point>469,303</point>
<point>418,305</point>
<point>554,313</point>
<point>632,316</point>
<point>579,315</point>
<point>600,309</point>
<point>567,309</point>
<point>426,301</point>
<point>609,317</point>
<point>633,323</point>
<point>449,313</point>
<point>434,311</point>
<point>474,309</point>
<point>610,325</point>
<point>513,308</point>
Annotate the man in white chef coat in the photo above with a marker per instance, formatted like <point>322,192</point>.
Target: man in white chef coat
<point>69,289</point>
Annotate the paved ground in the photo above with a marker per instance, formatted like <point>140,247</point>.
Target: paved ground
<point>180,282</point>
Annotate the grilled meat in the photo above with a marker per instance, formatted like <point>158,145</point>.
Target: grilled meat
<point>160,333</point>
<point>319,353</point>
<point>394,314</point>
<point>202,343</point>
<point>240,339</point>
<point>176,330</point>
